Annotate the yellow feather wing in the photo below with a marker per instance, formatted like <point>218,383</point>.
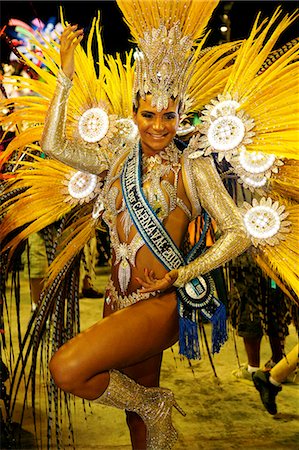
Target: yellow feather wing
<point>271,98</point>
<point>286,182</point>
<point>41,198</point>
<point>283,258</point>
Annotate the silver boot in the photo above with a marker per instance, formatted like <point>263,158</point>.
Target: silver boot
<point>153,405</point>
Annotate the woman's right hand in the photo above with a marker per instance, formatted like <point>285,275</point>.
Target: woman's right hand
<point>152,284</point>
<point>70,38</point>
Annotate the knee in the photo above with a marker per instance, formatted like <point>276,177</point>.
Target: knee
<point>62,372</point>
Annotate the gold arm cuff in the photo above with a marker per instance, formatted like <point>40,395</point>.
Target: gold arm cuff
<point>65,81</point>
<point>217,202</point>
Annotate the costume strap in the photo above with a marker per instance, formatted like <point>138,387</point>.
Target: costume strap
<point>145,220</point>
<point>199,293</point>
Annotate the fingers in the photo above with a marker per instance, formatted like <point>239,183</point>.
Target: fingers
<point>150,283</point>
<point>149,276</point>
<point>71,36</point>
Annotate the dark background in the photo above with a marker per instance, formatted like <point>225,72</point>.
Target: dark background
<point>115,32</point>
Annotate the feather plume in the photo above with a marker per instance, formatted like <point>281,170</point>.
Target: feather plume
<point>141,15</point>
<point>118,85</point>
<point>286,182</point>
<point>29,112</point>
<point>209,73</point>
<point>43,200</point>
<point>271,98</point>
<point>282,258</point>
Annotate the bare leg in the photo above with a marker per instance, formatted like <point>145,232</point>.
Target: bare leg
<point>146,373</point>
<point>285,366</point>
<point>121,340</point>
<point>252,347</point>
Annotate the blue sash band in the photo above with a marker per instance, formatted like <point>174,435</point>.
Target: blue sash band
<point>198,294</point>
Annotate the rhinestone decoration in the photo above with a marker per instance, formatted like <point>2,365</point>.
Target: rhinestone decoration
<point>184,130</point>
<point>162,62</point>
<point>127,129</point>
<point>98,208</point>
<point>254,168</point>
<point>252,181</point>
<point>93,124</point>
<point>256,162</point>
<point>265,222</point>
<point>82,185</point>
<point>226,107</point>
<point>226,133</point>
<point>226,129</point>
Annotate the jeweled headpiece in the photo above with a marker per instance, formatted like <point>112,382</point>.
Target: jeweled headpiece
<point>161,65</point>
<point>166,33</point>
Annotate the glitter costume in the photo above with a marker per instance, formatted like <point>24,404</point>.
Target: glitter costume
<point>206,187</point>
<point>86,127</point>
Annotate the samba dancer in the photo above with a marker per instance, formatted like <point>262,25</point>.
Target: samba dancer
<point>117,361</point>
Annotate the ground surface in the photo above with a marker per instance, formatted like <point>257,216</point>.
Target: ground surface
<point>222,413</point>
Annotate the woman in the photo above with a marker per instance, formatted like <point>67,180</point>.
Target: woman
<point>117,361</point>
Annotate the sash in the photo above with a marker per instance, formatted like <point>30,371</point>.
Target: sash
<point>198,295</point>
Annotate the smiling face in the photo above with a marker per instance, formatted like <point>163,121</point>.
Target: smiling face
<point>156,129</point>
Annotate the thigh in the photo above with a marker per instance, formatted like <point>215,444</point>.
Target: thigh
<point>123,339</point>
<point>146,373</point>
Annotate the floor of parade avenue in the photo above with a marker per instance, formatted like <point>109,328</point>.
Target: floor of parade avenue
<point>222,412</point>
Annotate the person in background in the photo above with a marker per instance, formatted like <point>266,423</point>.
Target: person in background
<point>268,382</point>
<point>258,308</point>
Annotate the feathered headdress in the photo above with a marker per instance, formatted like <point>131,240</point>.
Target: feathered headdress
<point>166,33</point>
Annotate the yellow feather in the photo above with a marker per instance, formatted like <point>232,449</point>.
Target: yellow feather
<point>209,73</point>
<point>31,110</point>
<point>119,83</point>
<point>45,200</point>
<point>283,257</point>
<point>261,262</point>
<point>271,98</point>
<point>77,235</point>
<point>254,51</point>
<point>286,182</point>
<point>193,15</point>
<point>21,141</point>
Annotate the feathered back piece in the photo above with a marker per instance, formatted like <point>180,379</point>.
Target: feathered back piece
<point>253,53</point>
<point>253,124</point>
<point>143,15</point>
<point>29,111</point>
<point>165,33</point>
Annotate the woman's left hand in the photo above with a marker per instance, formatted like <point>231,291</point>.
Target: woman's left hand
<point>150,283</point>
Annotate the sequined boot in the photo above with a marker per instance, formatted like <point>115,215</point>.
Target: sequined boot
<point>153,405</point>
